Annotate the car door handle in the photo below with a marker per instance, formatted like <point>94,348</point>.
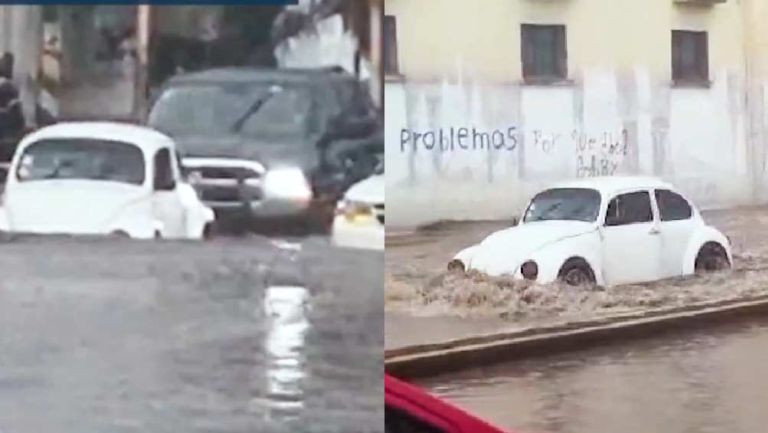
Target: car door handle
<point>654,231</point>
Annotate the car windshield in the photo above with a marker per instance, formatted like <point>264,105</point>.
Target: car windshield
<point>564,204</point>
<point>89,159</point>
<point>260,110</point>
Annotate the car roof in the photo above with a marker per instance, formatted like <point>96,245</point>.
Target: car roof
<point>608,185</point>
<point>141,136</point>
<point>257,75</point>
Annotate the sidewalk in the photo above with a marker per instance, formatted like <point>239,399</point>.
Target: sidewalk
<point>415,271</point>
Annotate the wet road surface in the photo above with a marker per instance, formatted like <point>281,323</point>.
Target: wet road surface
<point>710,380</point>
<point>237,335</point>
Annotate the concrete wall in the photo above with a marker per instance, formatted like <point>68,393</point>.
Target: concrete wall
<point>618,114</point>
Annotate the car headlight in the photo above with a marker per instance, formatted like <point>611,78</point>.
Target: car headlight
<point>529,270</point>
<point>287,183</point>
<point>354,210</point>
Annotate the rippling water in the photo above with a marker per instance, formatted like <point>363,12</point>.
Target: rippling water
<point>711,380</point>
<point>231,336</point>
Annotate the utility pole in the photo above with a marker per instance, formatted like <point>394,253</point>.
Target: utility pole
<point>377,67</point>
<point>143,33</point>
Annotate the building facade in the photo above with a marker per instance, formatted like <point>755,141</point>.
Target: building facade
<point>488,101</point>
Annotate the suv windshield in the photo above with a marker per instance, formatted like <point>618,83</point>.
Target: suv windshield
<point>564,204</point>
<point>214,110</point>
<point>82,159</point>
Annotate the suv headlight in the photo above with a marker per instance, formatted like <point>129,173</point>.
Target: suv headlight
<point>354,210</point>
<point>287,183</point>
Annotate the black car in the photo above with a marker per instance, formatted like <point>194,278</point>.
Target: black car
<point>271,143</point>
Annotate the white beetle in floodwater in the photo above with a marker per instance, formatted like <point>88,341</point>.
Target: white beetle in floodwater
<point>604,231</point>
<point>101,178</point>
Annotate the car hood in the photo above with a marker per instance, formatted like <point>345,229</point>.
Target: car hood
<point>269,153</point>
<point>504,251</point>
<point>370,190</point>
<point>69,206</point>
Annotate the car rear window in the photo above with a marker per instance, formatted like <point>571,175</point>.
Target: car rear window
<point>672,206</point>
<point>82,158</point>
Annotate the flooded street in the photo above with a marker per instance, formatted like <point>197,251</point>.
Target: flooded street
<point>710,380</point>
<point>421,295</point>
<point>237,335</point>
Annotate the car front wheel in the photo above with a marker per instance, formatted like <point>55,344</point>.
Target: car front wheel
<point>576,273</point>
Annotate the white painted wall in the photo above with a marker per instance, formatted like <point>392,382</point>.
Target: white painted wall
<point>625,121</point>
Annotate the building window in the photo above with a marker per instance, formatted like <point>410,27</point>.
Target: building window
<point>391,66</point>
<point>690,57</point>
<point>545,57</point>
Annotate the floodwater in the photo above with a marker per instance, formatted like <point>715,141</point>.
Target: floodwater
<point>233,336</point>
<point>707,380</point>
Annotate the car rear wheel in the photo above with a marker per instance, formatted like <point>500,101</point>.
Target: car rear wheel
<point>576,273</point>
<point>711,258</point>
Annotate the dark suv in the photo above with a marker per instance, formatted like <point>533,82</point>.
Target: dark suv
<point>271,143</point>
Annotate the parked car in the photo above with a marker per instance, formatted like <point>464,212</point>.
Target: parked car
<point>604,231</point>
<point>359,221</point>
<point>408,409</point>
<point>271,143</point>
<point>101,178</point>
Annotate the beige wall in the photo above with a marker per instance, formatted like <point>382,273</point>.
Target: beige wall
<point>461,64</point>
<point>482,38</point>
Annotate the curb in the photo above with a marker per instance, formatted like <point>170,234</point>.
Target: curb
<point>427,360</point>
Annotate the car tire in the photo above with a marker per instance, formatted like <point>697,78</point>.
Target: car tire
<point>456,266</point>
<point>712,257</point>
<point>576,272</point>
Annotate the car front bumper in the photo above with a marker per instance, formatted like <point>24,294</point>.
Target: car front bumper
<point>268,208</point>
<point>366,234</point>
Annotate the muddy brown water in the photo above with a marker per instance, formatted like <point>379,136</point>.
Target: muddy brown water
<point>708,380</point>
<point>233,336</point>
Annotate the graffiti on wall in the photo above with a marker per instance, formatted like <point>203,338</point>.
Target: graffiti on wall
<point>600,154</point>
<point>455,139</point>
<point>597,154</point>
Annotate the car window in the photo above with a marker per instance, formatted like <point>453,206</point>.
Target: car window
<point>630,208</point>
<point>82,159</point>
<point>672,206</point>
<point>288,113</point>
<point>564,204</point>
<point>163,168</point>
<point>203,110</point>
<point>398,421</point>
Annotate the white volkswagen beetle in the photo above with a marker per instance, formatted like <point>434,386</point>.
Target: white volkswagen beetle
<point>604,231</point>
<point>101,178</point>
